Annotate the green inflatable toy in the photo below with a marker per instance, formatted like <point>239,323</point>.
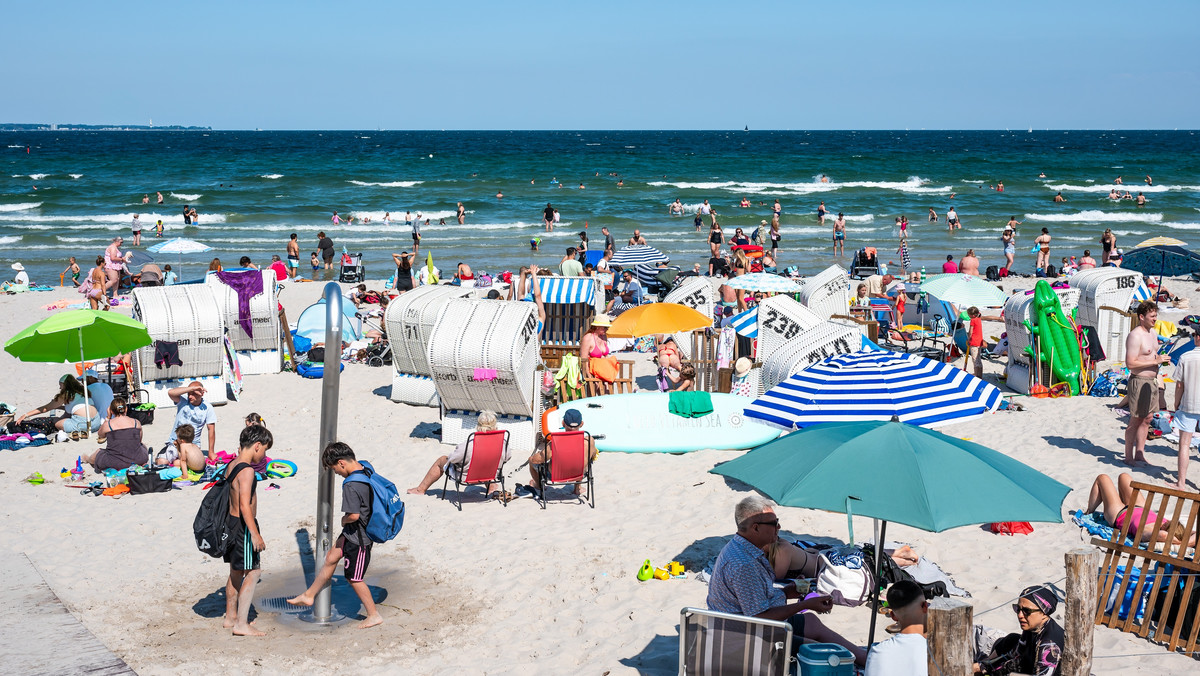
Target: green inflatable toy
<point>1057,344</point>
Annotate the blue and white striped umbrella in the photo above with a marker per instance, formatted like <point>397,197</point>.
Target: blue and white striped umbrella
<point>567,289</point>
<point>746,323</point>
<point>638,254</point>
<point>763,281</point>
<point>875,385</point>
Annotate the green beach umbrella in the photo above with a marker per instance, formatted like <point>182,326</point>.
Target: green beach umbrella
<point>78,334</point>
<point>894,471</point>
<point>964,290</point>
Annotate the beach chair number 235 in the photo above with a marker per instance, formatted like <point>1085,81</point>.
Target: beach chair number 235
<point>780,324</point>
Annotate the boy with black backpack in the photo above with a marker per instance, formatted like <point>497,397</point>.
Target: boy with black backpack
<point>245,540</point>
<point>362,491</point>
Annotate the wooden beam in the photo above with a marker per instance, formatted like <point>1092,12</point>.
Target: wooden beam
<point>1079,621</point>
<point>951,635</point>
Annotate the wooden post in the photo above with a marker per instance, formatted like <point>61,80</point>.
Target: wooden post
<point>1079,619</point>
<point>951,635</point>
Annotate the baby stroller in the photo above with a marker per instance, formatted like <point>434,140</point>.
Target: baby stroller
<point>375,354</point>
<point>353,271</point>
<point>865,263</point>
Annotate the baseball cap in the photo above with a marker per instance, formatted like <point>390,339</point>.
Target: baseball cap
<point>572,418</point>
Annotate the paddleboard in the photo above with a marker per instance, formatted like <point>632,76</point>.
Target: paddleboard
<point>640,423</point>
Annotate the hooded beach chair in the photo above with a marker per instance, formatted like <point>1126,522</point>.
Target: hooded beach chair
<point>485,451</point>
<point>713,644</point>
<point>569,463</point>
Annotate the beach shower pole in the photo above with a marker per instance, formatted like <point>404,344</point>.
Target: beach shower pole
<point>322,610</point>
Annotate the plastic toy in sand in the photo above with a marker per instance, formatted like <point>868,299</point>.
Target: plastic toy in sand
<point>1055,338</point>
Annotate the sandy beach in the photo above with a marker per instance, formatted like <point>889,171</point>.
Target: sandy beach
<point>492,589</point>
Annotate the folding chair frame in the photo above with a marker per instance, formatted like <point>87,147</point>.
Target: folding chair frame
<point>460,479</point>
<point>703,664</point>
<point>545,470</point>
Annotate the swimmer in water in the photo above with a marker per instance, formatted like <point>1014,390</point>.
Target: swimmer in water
<point>1059,197</point>
<point>1149,181</point>
<point>1042,175</point>
<point>499,195</point>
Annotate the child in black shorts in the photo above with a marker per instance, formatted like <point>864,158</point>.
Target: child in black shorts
<point>245,540</point>
<point>353,547</point>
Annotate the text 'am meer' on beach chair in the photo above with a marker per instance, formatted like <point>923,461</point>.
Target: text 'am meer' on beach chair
<point>569,462</point>
<point>715,644</point>
<point>484,463</point>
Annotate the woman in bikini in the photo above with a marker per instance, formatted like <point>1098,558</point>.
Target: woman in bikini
<point>593,348</point>
<point>1115,499</point>
<point>98,276</point>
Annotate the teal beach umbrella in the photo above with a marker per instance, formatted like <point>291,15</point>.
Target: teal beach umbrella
<point>894,471</point>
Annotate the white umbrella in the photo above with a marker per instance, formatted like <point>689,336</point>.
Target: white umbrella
<point>762,281</point>
<point>180,245</point>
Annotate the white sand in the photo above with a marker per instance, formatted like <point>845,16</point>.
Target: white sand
<point>490,589</point>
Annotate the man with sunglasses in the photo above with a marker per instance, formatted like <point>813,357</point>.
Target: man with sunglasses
<point>1037,650</point>
<point>743,580</point>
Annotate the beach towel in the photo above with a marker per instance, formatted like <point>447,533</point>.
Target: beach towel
<point>604,368</point>
<point>568,381</point>
<point>247,284</point>
<point>725,347</point>
<point>689,404</point>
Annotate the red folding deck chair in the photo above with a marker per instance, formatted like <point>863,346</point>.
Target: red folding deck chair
<point>569,463</point>
<point>486,452</point>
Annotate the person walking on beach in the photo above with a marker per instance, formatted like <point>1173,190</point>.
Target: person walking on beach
<point>776,212</point>
<point>548,217</point>
<point>416,234</point>
<point>1043,255</point>
<point>293,256</point>
<point>353,546</point>
<point>839,235</point>
<point>775,235</point>
<point>1187,403</point>
<point>325,245</point>
<point>952,220</point>
<point>136,228</point>
<point>609,244</point>
<point>246,541</point>
<point>1142,360</point>
<point>715,238</point>
<point>1009,240</point>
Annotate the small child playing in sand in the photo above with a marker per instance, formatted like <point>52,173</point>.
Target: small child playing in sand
<point>246,542</point>
<point>353,545</point>
<point>72,270</point>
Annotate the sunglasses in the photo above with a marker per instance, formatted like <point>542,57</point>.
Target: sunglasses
<point>1022,610</point>
<point>774,523</point>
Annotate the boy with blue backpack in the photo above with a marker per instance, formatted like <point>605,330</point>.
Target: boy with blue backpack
<point>371,512</point>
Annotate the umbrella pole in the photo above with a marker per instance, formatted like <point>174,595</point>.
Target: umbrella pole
<point>83,367</point>
<point>875,585</point>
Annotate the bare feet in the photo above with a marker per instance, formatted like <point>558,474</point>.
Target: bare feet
<point>301,600</point>
<point>371,621</point>
<point>416,491</point>
<point>1134,462</point>
<point>229,623</point>
<point>248,630</point>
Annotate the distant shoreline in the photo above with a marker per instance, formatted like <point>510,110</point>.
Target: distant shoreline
<point>97,127</point>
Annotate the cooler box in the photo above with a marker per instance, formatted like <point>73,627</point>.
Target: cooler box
<point>825,659</point>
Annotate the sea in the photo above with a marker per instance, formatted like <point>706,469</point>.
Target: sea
<point>68,193</point>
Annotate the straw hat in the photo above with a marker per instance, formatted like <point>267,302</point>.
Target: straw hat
<point>18,266</point>
<point>601,320</point>
<point>741,367</point>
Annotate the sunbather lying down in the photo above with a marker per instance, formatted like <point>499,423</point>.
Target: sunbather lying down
<point>792,562</point>
<point>1126,519</point>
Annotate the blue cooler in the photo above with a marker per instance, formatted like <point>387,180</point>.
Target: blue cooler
<point>825,659</point>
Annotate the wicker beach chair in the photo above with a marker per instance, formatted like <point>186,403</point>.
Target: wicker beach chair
<point>712,644</point>
<point>568,463</point>
<point>486,465</point>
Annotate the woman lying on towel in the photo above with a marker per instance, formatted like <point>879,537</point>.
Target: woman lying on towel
<point>1120,516</point>
<point>594,356</point>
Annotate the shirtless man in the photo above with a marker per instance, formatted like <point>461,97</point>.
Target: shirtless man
<point>1059,197</point>
<point>1141,200</point>
<point>839,235</point>
<point>1119,181</point>
<point>969,265</point>
<point>1142,360</point>
<point>637,238</point>
<point>293,256</point>
<point>1149,181</point>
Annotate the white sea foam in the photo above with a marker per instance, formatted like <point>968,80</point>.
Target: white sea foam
<point>20,206</point>
<point>186,197</point>
<point>387,184</point>
<point>38,177</point>
<point>398,216</point>
<point>76,175</point>
<point>1095,216</point>
<point>271,176</point>
<point>914,184</point>
<point>1183,226</point>
<point>12,239</point>
<point>1132,187</point>
<point>121,220</point>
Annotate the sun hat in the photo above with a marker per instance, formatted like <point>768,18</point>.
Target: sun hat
<point>741,367</point>
<point>601,320</point>
<point>18,266</point>
<point>572,418</point>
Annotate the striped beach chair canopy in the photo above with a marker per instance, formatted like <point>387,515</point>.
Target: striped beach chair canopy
<point>746,323</point>
<point>567,289</point>
<point>638,254</point>
<point>875,385</point>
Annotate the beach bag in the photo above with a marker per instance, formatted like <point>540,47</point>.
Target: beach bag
<point>150,482</point>
<point>211,525</point>
<point>993,273</point>
<point>387,509</point>
<point>1011,528</point>
<point>143,413</point>
<point>843,576</point>
<point>316,355</point>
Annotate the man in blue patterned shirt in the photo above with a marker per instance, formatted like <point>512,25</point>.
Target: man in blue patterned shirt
<point>743,581</point>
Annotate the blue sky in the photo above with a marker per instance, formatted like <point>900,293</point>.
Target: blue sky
<point>610,65</point>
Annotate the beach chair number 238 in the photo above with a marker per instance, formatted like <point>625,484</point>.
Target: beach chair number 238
<point>780,324</point>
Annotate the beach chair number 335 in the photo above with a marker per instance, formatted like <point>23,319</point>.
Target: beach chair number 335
<point>780,324</point>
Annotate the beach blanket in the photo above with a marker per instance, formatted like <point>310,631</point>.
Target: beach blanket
<point>689,404</point>
<point>58,305</point>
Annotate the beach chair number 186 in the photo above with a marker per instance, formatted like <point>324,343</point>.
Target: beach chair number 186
<point>780,324</point>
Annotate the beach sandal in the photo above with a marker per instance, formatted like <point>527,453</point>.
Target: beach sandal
<point>504,497</point>
<point>273,487</point>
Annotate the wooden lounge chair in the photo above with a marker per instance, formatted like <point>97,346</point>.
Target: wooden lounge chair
<point>486,465</point>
